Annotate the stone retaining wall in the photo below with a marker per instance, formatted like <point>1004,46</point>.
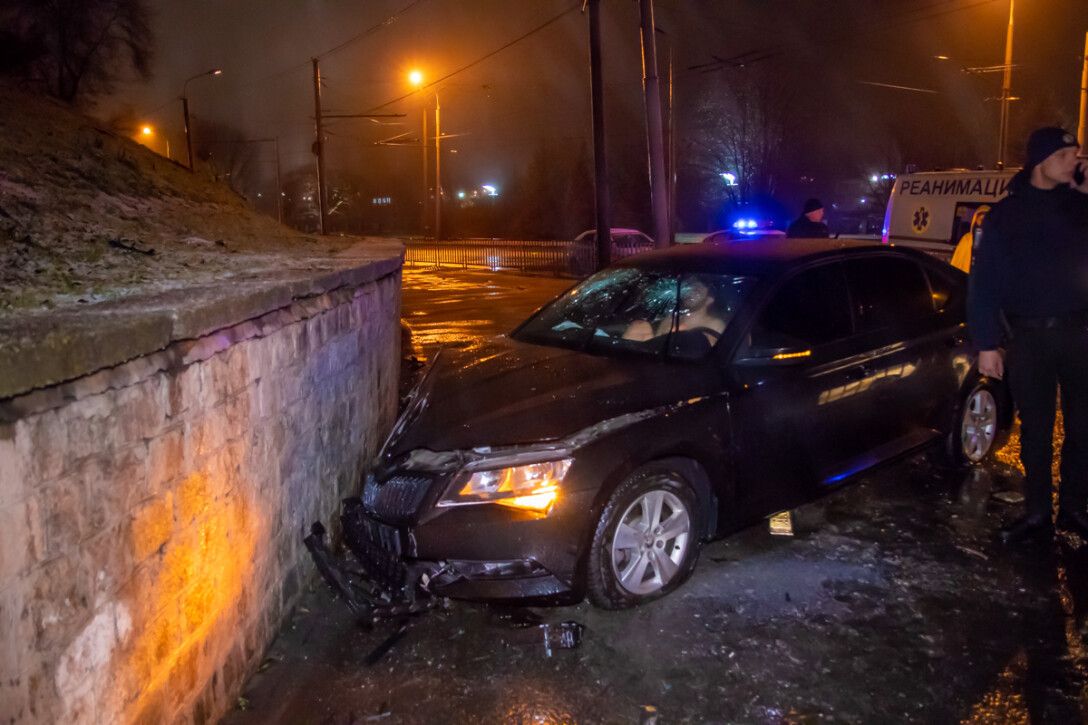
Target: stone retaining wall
<point>151,514</point>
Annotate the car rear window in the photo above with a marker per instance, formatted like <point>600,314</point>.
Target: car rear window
<point>808,310</point>
<point>949,293</point>
<point>888,292</point>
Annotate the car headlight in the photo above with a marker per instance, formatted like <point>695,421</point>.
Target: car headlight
<point>533,486</point>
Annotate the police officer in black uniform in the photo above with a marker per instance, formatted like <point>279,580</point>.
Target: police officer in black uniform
<point>1029,288</point>
<point>810,225</point>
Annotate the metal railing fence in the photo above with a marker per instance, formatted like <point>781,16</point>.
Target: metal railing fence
<point>563,258</point>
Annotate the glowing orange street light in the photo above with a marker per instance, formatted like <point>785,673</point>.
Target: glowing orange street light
<point>147,138</point>
<point>415,77</point>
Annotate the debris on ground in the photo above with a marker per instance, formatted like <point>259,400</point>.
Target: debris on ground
<point>387,644</point>
<point>560,635</point>
<point>1009,497</point>
<point>780,524</point>
<point>648,716</point>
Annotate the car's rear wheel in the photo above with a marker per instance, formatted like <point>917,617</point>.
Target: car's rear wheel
<point>646,541</point>
<point>975,435</point>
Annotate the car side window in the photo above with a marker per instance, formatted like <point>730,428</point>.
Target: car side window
<point>888,293</point>
<point>807,311</point>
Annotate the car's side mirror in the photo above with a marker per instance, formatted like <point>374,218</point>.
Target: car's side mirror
<point>774,356</point>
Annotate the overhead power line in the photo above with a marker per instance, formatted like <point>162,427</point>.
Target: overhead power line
<point>482,58</point>
<point>306,63</point>
<point>371,30</point>
<point>900,19</point>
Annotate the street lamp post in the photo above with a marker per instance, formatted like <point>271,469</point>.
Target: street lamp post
<point>437,170</point>
<point>185,111</point>
<point>415,78</point>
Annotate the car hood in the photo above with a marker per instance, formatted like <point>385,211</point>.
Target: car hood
<point>515,393</point>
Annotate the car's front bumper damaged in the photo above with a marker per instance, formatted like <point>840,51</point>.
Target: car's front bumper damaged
<point>381,583</point>
<point>384,578</point>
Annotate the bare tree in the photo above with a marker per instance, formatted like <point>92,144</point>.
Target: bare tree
<point>739,127</point>
<point>79,49</point>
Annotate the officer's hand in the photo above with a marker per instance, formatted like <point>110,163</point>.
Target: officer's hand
<point>991,364</point>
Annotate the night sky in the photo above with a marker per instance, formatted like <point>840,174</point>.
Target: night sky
<point>539,88</point>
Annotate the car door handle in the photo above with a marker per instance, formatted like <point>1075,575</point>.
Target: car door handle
<point>859,373</point>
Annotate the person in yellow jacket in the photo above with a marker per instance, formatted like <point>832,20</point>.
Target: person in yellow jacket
<point>961,258</point>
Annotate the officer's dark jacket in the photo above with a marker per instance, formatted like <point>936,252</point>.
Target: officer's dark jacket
<point>804,228</point>
<point>1031,261</point>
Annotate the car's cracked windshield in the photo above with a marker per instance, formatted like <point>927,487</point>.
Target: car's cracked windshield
<point>648,312</point>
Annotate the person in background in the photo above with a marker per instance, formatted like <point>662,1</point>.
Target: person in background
<point>810,225</point>
<point>1032,269</point>
<point>961,258</point>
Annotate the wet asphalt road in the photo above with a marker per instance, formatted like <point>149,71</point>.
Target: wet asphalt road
<point>892,603</point>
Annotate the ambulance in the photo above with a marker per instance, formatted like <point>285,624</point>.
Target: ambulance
<point>932,210</point>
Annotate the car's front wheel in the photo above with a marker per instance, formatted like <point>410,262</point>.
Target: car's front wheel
<point>646,541</point>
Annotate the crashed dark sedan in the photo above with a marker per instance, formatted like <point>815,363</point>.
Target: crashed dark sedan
<point>668,400</point>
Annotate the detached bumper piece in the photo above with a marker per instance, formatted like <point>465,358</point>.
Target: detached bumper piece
<point>382,586</point>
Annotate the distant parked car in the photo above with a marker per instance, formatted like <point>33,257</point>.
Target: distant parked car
<point>670,399</point>
<point>625,242</point>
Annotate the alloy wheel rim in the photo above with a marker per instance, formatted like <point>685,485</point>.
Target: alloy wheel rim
<point>650,542</point>
<point>979,425</point>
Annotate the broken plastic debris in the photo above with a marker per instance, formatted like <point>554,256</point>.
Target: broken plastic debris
<point>1009,497</point>
<point>383,713</point>
<point>565,635</point>
<point>387,644</point>
<point>648,716</point>
<point>781,524</point>
<point>972,552</point>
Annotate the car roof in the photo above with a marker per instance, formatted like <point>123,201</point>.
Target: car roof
<point>758,256</point>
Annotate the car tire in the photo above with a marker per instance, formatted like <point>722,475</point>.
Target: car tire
<point>977,426</point>
<point>646,541</point>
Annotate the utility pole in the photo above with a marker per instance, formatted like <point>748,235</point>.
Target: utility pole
<point>279,182</point>
<point>600,160</point>
<point>437,170</point>
<point>1082,127</point>
<point>659,195</point>
<point>319,151</point>
<point>188,132</point>
<point>672,155</point>
<point>1006,93</point>
<point>426,189</point>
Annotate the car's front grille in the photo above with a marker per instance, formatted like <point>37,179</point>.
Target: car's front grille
<point>398,498</point>
<point>377,546</point>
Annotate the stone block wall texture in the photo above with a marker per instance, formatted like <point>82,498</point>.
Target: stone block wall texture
<point>151,515</point>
